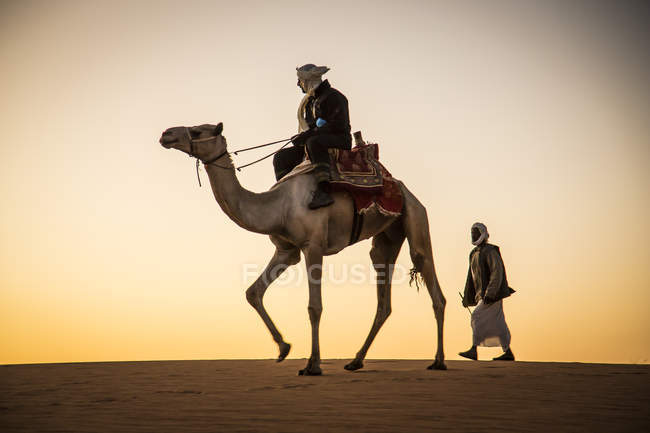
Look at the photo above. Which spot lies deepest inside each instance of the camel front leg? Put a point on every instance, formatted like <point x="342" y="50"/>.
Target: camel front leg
<point x="280" y="261"/>
<point x="314" y="261"/>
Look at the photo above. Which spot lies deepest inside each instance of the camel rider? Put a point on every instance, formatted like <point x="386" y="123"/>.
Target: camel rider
<point x="324" y="123"/>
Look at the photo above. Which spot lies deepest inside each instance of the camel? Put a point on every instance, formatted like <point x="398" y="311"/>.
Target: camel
<point x="283" y="215"/>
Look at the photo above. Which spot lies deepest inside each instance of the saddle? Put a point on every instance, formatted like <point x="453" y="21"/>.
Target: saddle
<point x="358" y="167"/>
<point x="359" y="173"/>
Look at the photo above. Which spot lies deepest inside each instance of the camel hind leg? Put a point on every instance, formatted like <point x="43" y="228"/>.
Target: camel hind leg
<point x="416" y="227"/>
<point x="384" y="252"/>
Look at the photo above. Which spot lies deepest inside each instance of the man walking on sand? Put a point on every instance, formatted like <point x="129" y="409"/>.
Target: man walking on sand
<point x="486" y="287"/>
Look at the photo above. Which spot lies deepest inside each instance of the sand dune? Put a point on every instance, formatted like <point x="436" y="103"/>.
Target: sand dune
<point x="386" y="396"/>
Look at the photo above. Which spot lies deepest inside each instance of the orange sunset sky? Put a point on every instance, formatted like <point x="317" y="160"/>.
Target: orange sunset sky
<point x="532" y="117"/>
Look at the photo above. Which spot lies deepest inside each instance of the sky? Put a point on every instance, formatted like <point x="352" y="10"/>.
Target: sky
<point x="531" y="117"/>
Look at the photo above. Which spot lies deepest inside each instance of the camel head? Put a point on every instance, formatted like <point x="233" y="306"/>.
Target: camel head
<point x="203" y="141"/>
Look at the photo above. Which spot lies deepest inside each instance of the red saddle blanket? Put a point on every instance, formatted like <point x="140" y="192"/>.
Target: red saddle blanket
<point x="359" y="172"/>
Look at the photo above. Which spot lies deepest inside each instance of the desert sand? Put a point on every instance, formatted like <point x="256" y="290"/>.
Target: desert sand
<point x="264" y="396"/>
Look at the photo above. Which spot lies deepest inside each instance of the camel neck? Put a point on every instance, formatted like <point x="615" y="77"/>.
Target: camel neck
<point x="249" y="210"/>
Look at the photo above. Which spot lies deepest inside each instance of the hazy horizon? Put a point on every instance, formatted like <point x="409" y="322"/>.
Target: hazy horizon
<point x="531" y="117"/>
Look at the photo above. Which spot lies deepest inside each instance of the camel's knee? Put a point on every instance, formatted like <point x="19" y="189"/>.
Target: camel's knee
<point x="315" y="312"/>
<point x="438" y="298"/>
<point x="254" y="298"/>
<point x="439" y="303"/>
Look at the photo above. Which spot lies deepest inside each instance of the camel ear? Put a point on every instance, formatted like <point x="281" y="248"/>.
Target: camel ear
<point x="219" y="129"/>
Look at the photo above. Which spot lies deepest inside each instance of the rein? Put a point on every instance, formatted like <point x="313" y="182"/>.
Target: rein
<point x="212" y="161"/>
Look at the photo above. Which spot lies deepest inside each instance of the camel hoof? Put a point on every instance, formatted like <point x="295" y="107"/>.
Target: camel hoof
<point x="437" y="365"/>
<point x="310" y="371"/>
<point x="284" y="351"/>
<point x="354" y="365"/>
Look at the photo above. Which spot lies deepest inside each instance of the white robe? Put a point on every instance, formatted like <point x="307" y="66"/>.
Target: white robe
<point x="489" y="326"/>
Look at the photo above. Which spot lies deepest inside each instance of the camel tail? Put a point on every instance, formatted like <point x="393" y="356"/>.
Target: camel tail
<point x="415" y="277"/>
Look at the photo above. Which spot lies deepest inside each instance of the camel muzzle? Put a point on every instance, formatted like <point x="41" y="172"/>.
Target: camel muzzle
<point x="167" y="139"/>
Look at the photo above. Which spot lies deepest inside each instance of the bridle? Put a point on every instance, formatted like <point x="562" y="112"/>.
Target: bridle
<point x="213" y="160"/>
<point x="193" y="154"/>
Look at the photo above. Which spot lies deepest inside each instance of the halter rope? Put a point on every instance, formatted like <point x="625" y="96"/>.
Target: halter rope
<point x="212" y="161"/>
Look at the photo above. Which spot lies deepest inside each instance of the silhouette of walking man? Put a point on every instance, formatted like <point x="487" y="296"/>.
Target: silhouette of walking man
<point x="486" y="287"/>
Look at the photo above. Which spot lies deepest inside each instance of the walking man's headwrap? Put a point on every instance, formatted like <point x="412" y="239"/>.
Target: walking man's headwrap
<point x="484" y="233"/>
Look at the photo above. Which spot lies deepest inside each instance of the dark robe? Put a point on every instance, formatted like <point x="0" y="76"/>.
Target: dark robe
<point x="492" y="280"/>
<point x="328" y="104"/>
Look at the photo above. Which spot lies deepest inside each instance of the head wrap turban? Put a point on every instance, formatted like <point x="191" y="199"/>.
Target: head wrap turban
<point x="310" y="71"/>
<point x="484" y="233"/>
